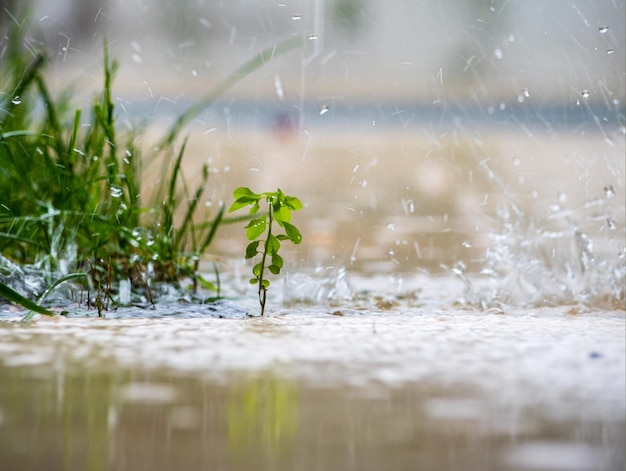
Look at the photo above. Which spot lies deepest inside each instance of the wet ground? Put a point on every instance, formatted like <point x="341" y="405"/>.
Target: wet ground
<point x="382" y="381"/>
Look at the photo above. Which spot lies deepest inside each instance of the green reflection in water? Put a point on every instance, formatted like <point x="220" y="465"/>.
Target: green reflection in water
<point x="262" y="413"/>
<point x="55" y="420"/>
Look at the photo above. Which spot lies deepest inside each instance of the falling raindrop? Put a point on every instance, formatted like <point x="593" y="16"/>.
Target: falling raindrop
<point x="603" y="28"/>
<point x="296" y="17"/>
<point x="610" y="51"/>
<point x="410" y="205"/>
<point x="611" y="223"/>
<point x="116" y="191"/>
<point x="16" y="100"/>
<point x="609" y="191"/>
<point x="585" y="93"/>
<point x="526" y="93"/>
<point x="391" y="226"/>
<point x="498" y="53"/>
<point x="467" y="244"/>
<point x="312" y="37"/>
<point x="517" y="161"/>
<point x="278" y="85"/>
<point x="324" y="109"/>
<point x="562" y="197"/>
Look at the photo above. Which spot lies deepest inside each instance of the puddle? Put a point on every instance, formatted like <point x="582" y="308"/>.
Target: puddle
<point x="337" y="387"/>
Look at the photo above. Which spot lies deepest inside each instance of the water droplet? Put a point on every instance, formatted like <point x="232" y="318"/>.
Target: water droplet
<point x="296" y="17"/>
<point x="517" y="161"/>
<point x="609" y="191"/>
<point x="16" y="100"/>
<point x="526" y="93"/>
<point x="467" y="244"/>
<point x="610" y="51"/>
<point x="502" y="106"/>
<point x="116" y="191"/>
<point x="511" y="38"/>
<point x="391" y="226"/>
<point x="562" y="197"/>
<point x="611" y="223"/>
<point x="585" y="93"/>
<point x="363" y="183"/>
<point x="410" y="205"/>
<point x="498" y="54"/>
<point x="603" y="28"/>
<point x="324" y="109"/>
<point x="312" y="37"/>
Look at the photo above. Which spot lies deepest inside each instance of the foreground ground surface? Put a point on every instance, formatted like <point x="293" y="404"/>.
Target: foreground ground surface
<point x="341" y="387"/>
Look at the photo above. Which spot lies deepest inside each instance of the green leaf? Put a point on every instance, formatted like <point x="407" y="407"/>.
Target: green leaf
<point x="273" y="245"/>
<point x="243" y="197"/>
<point x="274" y="269"/>
<point x="14" y="296"/>
<point x="257" y="269"/>
<point x="282" y="237"/>
<point x="265" y="284"/>
<point x="283" y="214"/>
<point x="240" y="203"/>
<point x="277" y="260"/>
<point x="292" y="232"/>
<point x="256" y="227"/>
<point x="293" y="203"/>
<point x="244" y="191"/>
<point x="252" y="249"/>
<point x="254" y="281"/>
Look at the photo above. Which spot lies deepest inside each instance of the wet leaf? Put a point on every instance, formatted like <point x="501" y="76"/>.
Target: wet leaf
<point x="256" y="227"/>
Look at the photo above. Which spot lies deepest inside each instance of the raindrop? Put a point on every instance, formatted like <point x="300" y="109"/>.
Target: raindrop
<point x="324" y="109"/>
<point x="296" y="17"/>
<point x="610" y="51"/>
<point x="603" y="28"/>
<point x="116" y="191"/>
<point x="16" y="100"/>
<point x="526" y="93"/>
<point x="609" y="191"/>
<point x="278" y="85"/>
<point x="562" y="197"/>
<point x="585" y="93"/>
<point x="364" y="184"/>
<point x="611" y="223"/>
<point x="511" y="38"/>
<point x="391" y="226"/>
<point x="467" y="244"/>
<point x="517" y="161"/>
<point x="502" y="106"/>
<point x="312" y="37"/>
<point x="410" y="206"/>
<point x="498" y="54"/>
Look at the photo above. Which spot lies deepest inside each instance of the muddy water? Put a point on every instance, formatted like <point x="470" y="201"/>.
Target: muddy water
<point x="338" y="388"/>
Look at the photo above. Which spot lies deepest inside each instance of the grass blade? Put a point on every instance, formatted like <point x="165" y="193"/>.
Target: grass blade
<point x="17" y="298"/>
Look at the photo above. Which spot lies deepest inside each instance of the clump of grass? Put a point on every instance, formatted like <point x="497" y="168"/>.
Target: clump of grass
<point x="70" y="186"/>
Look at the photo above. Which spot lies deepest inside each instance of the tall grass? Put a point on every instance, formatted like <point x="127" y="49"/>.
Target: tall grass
<point x="70" y="185"/>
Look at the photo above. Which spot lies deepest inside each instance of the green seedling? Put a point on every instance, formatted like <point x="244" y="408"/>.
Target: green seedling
<point x="279" y="207"/>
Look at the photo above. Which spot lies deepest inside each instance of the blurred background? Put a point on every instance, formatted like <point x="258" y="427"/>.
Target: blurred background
<point x="422" y="136"/>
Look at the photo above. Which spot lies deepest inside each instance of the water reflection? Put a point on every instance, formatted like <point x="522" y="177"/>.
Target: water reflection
<point x="91" y="421"/>
<point x="305" y="392"/>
